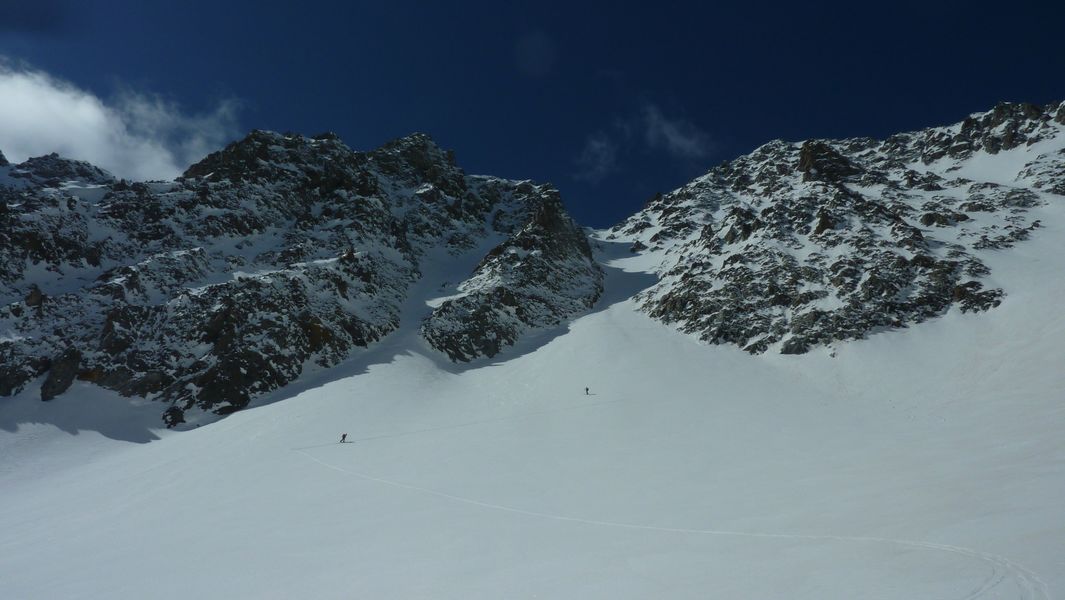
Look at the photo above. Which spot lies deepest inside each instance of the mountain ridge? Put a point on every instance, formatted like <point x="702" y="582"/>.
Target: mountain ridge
<point x="281" y="252"/>
<point x="274" y="252"/>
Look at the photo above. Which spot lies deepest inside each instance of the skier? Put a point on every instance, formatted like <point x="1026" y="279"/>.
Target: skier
<point x="343" y="437"/>
<point x="585" y="391"/>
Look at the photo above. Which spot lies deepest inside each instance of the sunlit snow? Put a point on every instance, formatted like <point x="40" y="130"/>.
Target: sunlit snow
<point x="921" y="463"/>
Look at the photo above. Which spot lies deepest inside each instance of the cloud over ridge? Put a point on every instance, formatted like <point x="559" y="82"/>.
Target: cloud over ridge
<point x="134" y="135"/>
<point x="597" y="159"/>
<point x="647" y="130"/>
<point x="677" y="136"/>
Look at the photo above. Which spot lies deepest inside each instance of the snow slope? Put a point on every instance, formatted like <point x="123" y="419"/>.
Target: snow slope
<point x="919" y="463"/>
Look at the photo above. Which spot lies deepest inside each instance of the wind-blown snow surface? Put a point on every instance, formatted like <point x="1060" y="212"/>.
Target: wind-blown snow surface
<point x="921" y="463"/>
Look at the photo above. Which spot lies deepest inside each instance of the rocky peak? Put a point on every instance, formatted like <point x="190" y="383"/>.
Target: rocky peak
<point x="1009" y="125"/>
<point x="3" y="160"/>
<point x="1005" y="127"/>
<point x="819" y="161"/>
<point x="418" y="156"/>
<point x="1012" y="111"/>
<point x="267" y="155"/>
<point x="52" y="170"/>
<point x="419" y="149"/>
<point x="551" y="222"/>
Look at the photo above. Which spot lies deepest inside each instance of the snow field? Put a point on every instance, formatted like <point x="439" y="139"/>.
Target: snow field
<point x="921" y="463"/>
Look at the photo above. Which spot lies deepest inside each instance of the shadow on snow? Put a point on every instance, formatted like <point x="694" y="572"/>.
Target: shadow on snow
<point x="86" y="407"/>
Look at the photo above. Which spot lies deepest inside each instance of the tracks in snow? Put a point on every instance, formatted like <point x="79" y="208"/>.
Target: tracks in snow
<point x="1029" y="585"/>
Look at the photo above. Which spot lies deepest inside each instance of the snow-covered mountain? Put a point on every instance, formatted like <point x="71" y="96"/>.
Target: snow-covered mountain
<point x="914" y="450"/>
<point x="801" y="244"/>
<point x="277" y="254"/>
<point x="281" y="253"/>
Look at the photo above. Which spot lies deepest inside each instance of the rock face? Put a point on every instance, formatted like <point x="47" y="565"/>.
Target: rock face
<point x="271" y="255"/>
<point x="538" y="278"/>
<point x="61" y="374"/>
<point x="796" y="245"/>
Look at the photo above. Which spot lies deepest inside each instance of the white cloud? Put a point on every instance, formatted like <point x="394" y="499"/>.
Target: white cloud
<point x="135" y="135"/>
<point x="648" y="130"/>
<point x="597" y="159"/>
<point x="676" y="136"/>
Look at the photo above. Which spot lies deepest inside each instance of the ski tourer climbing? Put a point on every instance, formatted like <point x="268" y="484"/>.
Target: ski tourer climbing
<point x="343" y="438"/>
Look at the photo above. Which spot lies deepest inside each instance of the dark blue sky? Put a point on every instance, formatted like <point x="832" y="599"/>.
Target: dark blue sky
<point x="609" y="102"/>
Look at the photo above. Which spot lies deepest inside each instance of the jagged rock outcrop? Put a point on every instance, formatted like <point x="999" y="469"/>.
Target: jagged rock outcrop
<point x="270" y="255"/>
<point x="540" y="277"/>
<point x="52" y="170"/>
<point x="796" y="245"/>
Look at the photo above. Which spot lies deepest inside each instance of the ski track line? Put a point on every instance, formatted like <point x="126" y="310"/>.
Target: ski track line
<point x="1029" y="584"/>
